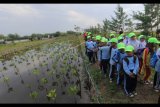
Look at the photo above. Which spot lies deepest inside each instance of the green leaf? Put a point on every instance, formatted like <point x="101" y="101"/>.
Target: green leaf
<point x="52" y="94"/>
<point x="6" y="79"/>
<point x="36" y="72"/>
<point x="34" y="95"/>
<point x="44" y="81"/>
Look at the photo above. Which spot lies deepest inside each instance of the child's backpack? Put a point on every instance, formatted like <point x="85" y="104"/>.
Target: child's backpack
<point x="127" y="61"/>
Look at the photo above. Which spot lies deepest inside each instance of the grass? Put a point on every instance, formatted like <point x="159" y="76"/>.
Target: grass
<point x="19" y="48"/>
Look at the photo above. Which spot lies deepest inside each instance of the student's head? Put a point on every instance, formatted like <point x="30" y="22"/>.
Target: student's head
<point x="98" y="38"/>
<point x="158" y="34"/>
<point x="89" y="38"/>
<point x="129" y="50"/>
<point x="113" y="42"/>
<point x="141" y="38"/>
<point x="121" y="47"/>
<point x="151" y="43"/>
<point x="103" y="41"/>
<point x="120" y="38"/>
<point x="93" y="38"/>
<point x="112" y="35"/>
<point x="132" y="36"/>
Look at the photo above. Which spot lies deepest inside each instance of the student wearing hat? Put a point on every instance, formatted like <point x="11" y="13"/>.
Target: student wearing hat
<point x="98" y="41"/>
<point x="142" y="43"/>
<point x="156" y="66"/>
<point x="126" y="39"/>
<point x="89" y="46"/>
<point x="94" y="50"/>
<point x="142" y="46"/>
<point x="119" y="59"/>
<point x="155" y="63"/>
<point x="148" y="53"/>
<point x="110" y="37"/>
<point x="120" y="38"/>
<point x="133" y="41"/>
<point x="131" y="67"/>
<point x="104" y="55"/>
<point x="112" y="52"/>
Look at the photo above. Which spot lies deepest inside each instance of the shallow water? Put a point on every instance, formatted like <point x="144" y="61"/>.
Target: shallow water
<point x="20" y="75"/>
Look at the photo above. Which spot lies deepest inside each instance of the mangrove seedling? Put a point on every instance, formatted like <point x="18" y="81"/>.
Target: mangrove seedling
<point x="51" y="95"/>
<point x="73" y="90"/>
<point x="33" y="95"/>
<point x="6" y="79"/>
<point x="44" y="80"/>
<point x="36" y="71"/>
<point x="74" y="72"/>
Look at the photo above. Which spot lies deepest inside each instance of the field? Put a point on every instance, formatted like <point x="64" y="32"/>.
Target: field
<point x="57" y="71"/>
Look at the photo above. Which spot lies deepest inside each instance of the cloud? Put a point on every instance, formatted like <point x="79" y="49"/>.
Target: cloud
<point x="19" y="10"/>
<point x="132" y="7"/>
<point x="82" y="19"/>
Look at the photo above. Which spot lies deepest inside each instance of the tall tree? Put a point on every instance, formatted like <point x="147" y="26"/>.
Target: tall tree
<point x="106" y="27"/>
<point x="117" y="23"/>
<point x="130" y="26"/>
<point x="149" y="19"/>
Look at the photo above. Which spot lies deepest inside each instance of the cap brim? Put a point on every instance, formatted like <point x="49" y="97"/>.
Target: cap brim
<point x="121" y="48"/>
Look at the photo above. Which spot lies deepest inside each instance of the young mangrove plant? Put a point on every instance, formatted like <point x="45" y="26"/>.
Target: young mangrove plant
<point x="72" y="90"/>
<point x="33" y="95"/>
<point x="6" y="80"/>
<point x="51" y="95"/>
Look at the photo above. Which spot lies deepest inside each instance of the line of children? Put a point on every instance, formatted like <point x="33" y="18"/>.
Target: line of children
<point x="128" y="60"/>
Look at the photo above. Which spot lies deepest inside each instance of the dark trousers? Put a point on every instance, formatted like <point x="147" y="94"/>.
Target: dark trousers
<point x="90" y="56"/>
<point x="94" y="57"/>
<point x="112" y="71"/>
<point x="155" y="79"/>
<point x="104" y="66"/>
<point x="120" y="76"/>
<point x="140" y="65"/>
<point x="108" y="65"/>
<point x="130" y="83"/>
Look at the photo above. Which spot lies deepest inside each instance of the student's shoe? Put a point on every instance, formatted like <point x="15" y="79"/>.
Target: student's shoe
<point x="135" y="93"/>
<point x="146" y="82"/>
<point x="110" y="80"/>
<point x="156" y="90"/>
<point x="131" y="95"/>
<point x="151" y="82"/>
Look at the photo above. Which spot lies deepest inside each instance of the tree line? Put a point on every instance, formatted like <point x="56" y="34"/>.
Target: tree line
<point x="145" y="21"/>
<point x="34" y="36"/>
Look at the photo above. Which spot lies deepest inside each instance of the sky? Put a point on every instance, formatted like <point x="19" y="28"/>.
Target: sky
<point x="25" y="19"/>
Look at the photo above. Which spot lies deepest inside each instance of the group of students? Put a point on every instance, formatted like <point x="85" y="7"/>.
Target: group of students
<point x="125" y="58"/>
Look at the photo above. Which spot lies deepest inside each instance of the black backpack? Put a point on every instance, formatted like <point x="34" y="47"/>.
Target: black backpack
<point x="127" y="61"/>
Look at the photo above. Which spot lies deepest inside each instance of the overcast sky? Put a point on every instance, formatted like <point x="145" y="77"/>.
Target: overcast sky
<point x="26" y="19"/>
